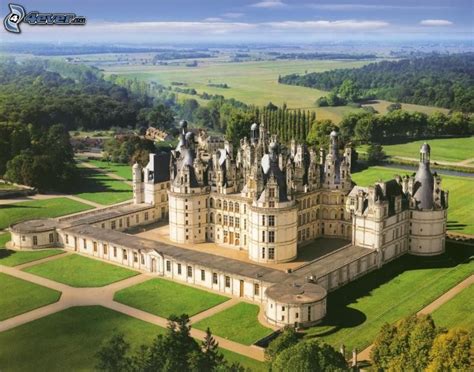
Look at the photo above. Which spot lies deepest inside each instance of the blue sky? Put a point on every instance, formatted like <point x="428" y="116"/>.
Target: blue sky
<point x="161" y="21"/>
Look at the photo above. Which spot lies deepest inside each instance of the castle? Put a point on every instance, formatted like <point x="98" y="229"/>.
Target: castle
<point x="275" y="205"/>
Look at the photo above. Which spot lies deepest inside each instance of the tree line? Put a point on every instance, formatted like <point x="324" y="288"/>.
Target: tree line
<point x="436" y="80"/>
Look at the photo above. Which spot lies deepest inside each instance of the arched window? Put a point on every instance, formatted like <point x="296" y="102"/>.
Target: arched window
<point x="219" y="219"/>
<point x="231" y="206"/>
<point x="224" y="207"/>
<point x="211" y="202"/>
<point x="211" y="217"/>
<point x="236" y="207"/>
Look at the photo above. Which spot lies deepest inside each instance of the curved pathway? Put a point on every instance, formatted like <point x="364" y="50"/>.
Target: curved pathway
<point x="104" y="296"/>
<point x="428" y="309"/>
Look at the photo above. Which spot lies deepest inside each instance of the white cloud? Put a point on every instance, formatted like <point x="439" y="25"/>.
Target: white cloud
<point x="269" y="4"/>
<point x="213" y="19"/>
<point x="232" y="15"/>
<point x="353" y="6"/>
<point x="348" y="25"/>
<point x="435" y="22"/>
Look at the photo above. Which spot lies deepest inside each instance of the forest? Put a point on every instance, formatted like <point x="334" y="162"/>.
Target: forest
<point x="437" y="80"/>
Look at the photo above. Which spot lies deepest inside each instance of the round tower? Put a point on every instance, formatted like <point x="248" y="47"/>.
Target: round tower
<point x="137" y="183"/>
<point x="427" y="216"/>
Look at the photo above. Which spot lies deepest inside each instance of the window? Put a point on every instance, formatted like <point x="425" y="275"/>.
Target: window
<point x="297" y="315"/>
<point x="142" y="256"/>
<point x="115" y="251"/>
<point x="271" y="192"/>
<point x="245" y="224"/>
<point x="103" y="225"/>
<point x="67" y="239"/>
<point x="226" y="220"/>
<point x="51" y="238"/>
<point x="137" y="218"/>
<point x="113" y="225"/>
<point x="168" y="265"/>
<point x="271" y="220"/>
<point x="214" y="278"/>
<point x="263" y="236"/>
<point x="35" y="240"/>
<point x="231" y="221"/>
<point x="120" y="223"/>
<point x="203" y="275"/>
<point x="271" y="204"/>
<point x="271" y="236"/>
<point x="236" y="207"/>
<point x="84" y="243"/>
<point x="271" y="253"/>
<point x="224" y="207"/>
<point x="245" y="208"/>
<point x="231" y="206"/>
<point x="128" y="221"/>
<point x="256" y="289"/>
<point x="309" y="312"/>
<point x="179" y="269"/>
<point x="146" y="216"/>
<point x="263" y="220"/>
<point x="263" y="253"/>
<point x="124" y="254"/>
<point x="283" y="308"/>
<point x="283" y="318"/>
<point x="227" y="281"/>
<point x="94" y="244"/>
<point x="135" y="257"/>
<point x="23" y="238"/>
<point x="190" y="272"/>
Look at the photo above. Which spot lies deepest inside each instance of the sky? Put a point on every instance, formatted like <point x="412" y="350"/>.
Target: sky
<point x="240" y="21"/>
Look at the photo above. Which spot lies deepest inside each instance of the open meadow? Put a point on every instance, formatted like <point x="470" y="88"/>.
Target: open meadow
<point x="254" y="82"/>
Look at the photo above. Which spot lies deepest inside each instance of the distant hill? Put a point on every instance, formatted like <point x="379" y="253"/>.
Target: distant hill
<point x="442" y="81"/>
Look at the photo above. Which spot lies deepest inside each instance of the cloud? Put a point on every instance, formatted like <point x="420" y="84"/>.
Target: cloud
<point x="232" y="15"/>
<point x="213" y="19"/>
<point x="435" y="22"/>
<point x="348" y="25"/>
<point x="269" y="4"/>
<point x="353" y="6"/>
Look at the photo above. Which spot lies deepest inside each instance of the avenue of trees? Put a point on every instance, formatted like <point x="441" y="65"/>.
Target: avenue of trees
<point x="442" y="81"/>
<point x="416" y="344"/>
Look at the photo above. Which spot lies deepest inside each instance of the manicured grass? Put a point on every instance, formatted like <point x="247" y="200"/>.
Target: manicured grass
<point x="357" y="311"/>
<point x="457" y="312"/>
<point x="444" y="149"/>
<point x="238" y="323"/>
<point x="100" y="188"/>
<point x="164" y="298"/>
<point x="122" y="170"/>
<point x="19" y="296"/>
<point x="80" y="271"/>
<point x="55" y="207"/>
<point x="461" y="200"/>
<point x="69" y="340"/>
<point x="246" y="362"/>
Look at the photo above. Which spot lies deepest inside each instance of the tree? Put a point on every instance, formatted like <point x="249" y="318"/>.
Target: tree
<point x="394" y="106"/>
<point x="405" y="345"/>
<point x="349" y="90"/>
<point x="309" y="355"/>
<point x="286" y="339"/>
<point x="451" y="351"/>
<point x="238" y="126"/>
<point x="375" y="153"/>
<point x="113" y="356"/>
<point x="319" y="133"/>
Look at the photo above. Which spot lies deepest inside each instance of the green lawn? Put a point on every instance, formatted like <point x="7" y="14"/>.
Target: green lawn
<point x="122" y="170"/>
<point x="357" y="311"/>
<point x="164" y="298"/>
<point x="238" y="323"/>
<point x="461" y="200"/>
<point x="100" y="188"/>
<point x="19" y="296"/>
<point x="69" y="340"/>
<point x="80" y="271"/>
<point x="457" y="312"/>
<point x="55" y="207"/>
<point x="443" y="149"/>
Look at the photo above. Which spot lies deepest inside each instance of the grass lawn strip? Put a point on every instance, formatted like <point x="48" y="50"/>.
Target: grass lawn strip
<point x="122" y="170"/>
<point x="164" y="298"/>
<point x="80" y="271"/>
<point x="20" y="296"/>
<point x="238" y="323"/>
<point x="457" y="312"/>
<point x="75" y="335"/>
<point x="46" y="208"/>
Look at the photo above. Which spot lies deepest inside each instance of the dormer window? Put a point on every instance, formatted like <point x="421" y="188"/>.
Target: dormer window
<point x="271" y="192"/>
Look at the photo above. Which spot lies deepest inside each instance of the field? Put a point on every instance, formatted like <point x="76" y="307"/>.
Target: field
<point x="79" y="271"/>
<point x="55" y="207"/>
<point x="238" y="323"/>
<point x="19" y="296"/>
<point x="457" y="312"/>
<point x="357" y="311"/>
<point x="252" y="82"/>
<point x="100" y="188"/>
<point x="122" y="170"/>
<point x="164" y="298"/>
<point x="70" y="339"/>
<point x="453" y="150"/>
<point x="461" y="202"/>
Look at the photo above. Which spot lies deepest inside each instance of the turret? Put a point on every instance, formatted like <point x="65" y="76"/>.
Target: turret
<point x="137" y="183"/>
